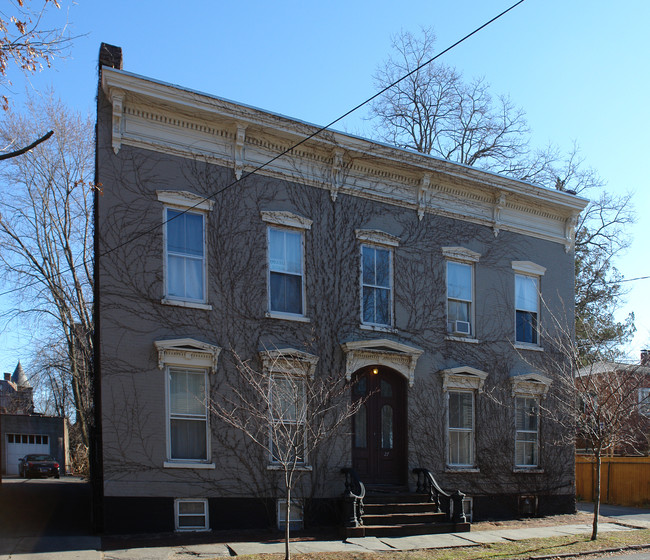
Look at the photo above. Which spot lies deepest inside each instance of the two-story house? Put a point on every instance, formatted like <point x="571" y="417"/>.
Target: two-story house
<point x="228" y="234"/>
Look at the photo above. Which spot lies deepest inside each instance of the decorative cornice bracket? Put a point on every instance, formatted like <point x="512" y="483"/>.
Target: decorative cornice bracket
<point x="570" y="231"/>
<point x="499" y="205"/>
<point x="336" y="173"/>
<point x="239" y="152"/>
<point x="117" y="100"/>
<point x="423" y="188"/>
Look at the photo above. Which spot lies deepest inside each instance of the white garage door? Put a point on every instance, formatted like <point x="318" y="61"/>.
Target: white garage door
<point x="19" y="445"/>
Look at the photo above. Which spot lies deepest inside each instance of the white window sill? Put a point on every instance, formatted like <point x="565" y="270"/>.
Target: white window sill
<point x="529" y="470"/>
<point x="462" y="339"/>
<point x="378" y="328"/>
<point x="524" y="346"/>
<point x="461" y="469"/>
<point x="288" y="317"/>
<point x="187" y="465"/>
<point x="301" y="468"/>
<point x="189" y="304"/>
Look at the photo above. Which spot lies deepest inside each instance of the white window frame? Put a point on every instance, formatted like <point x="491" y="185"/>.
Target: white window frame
<point x="183" y="201"/>
<point x="467" y="257"/>
<point x="458" y="380"/>
<point x="644" y="401"/>
<point x="529" y="386"/>
<point x="288" y="363"/>
<point x="293" y="223"/>
<point x="471" y="430"/>
<point x="296" y="515"/>
<point x="378" y="240"/>
<point x="518" y="431"/>
<point x="169" y="370"/>
<point x="535" y="271"/>
<point x="192" y="355"/>
<point x="178" y="515"/>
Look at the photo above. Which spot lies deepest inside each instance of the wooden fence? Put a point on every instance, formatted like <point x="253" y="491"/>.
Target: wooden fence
<point x="624" y="481"/>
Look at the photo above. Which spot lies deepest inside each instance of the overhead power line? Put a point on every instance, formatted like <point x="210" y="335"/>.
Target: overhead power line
<point x="297" y="144"/>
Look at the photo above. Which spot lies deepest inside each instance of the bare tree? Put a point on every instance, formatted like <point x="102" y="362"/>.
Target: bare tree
<point x="46" y="237"/>
<point x="599" y="400"/>
<point x="288" y="412"/>
<point x="25" y="41"/>
<point x="437" y="112"/>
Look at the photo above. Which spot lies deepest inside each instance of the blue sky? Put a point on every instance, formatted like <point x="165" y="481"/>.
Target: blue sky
<point x="579" y="68"/>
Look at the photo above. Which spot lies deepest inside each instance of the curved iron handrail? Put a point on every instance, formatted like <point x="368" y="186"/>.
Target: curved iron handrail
<point x="426" y="483"/>
<point x="351" y="474"/>
<point x="353" y="500"/>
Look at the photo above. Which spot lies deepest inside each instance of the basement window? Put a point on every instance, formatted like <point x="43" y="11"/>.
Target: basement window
<point x="191" y="514"/>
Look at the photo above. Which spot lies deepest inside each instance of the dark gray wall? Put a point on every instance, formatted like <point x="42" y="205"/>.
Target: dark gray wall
<point x="133" y="393"/>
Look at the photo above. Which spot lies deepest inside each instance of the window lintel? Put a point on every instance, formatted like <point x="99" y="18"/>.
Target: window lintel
<point x="187" y="352"/>
<point x="533" y="384"/>
<point x="377" y="236"/>
<point x="461" y="254"/>
<point x="463" y="377"/>
<point x="528" y="267"/>
<point x="288" y="361"/>
<point x="285" y="218"/>
<point x="185" y="199"/>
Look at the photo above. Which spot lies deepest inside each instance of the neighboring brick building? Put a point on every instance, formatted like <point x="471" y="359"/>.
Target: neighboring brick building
<point x="22" y="430"/>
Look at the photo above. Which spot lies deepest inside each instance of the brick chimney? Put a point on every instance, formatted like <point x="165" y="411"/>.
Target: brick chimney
<point x="645" y="357"/>
<point x="110" y="55"/>
<point x="7" y="377"/>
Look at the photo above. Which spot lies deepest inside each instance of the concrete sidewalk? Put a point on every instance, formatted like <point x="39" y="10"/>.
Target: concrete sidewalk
<point x="89" y="548"/>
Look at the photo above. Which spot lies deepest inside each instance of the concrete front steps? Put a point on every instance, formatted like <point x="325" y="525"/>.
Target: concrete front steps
<point x="399" y="515"/>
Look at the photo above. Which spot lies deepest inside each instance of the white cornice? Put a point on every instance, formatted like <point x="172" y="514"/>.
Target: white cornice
<point x="377" y="236"/>
<point x="528" y="267"/>
<point x="463" y="377"/>
<point x="185" y="199"/>
<point x="169" y="119"/>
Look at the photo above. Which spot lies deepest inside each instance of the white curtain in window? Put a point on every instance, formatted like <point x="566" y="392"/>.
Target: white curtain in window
<point x="459" y="281"/>
<point x="526" y="293"/>
<point x="188" y="414"/>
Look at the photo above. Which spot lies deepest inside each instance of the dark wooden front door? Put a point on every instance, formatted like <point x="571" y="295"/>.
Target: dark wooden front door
<point x="379" y="428"/>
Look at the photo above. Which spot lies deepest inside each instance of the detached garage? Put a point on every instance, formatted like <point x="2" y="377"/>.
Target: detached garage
<point x="23" y="434"/>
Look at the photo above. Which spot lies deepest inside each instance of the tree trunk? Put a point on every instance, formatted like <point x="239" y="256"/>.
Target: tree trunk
<point x="594" y="531"/>
<point x="287" y="553"/>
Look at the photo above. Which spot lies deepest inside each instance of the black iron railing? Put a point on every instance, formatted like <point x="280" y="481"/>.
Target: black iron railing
<point x="450" y="504"/>
<point x="353" y="497"/>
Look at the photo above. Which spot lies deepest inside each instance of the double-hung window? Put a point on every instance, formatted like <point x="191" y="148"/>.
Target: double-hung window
<point x="459" y="298"/>
<point x="186" y="364"/>
<point x="527" y="308"/>
<point x="461" y="428"/>
<point x="286" y="264"/>
<point x="526" y="432"/>
<point x="460" y="290"/>
<point x="286" y="279"/>
<point x="288" y="413"/>
<point x="461" y="385"/>
<point x="377" y="277"/>
<point x="376" y="280"/>
<point x="184" y="221"/>
<point x="527" y="302"/>
<point x="289" y="372"/>
<point x="188" y="417"/>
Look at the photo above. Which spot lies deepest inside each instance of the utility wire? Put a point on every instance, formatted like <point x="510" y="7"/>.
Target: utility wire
<point x="294" y="146"/>
<point x="316" y="133"/>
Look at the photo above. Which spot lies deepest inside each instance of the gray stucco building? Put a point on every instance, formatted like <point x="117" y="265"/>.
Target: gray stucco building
<point x="434" y="288"/>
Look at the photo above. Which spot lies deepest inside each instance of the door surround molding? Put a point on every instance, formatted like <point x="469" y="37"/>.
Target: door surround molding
<point x="382" y="352"/>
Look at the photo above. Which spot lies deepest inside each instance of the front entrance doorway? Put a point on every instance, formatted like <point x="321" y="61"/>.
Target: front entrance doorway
<point x="379" y="428"/>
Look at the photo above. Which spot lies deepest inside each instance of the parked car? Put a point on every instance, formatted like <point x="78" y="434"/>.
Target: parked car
<point x="38" y="465"/>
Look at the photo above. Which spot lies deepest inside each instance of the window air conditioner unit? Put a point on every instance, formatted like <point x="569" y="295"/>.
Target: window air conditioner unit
<point x="462" y="327"/>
